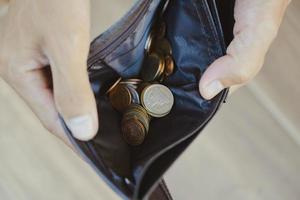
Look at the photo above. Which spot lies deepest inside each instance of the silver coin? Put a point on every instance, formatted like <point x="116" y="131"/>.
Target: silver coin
<point x="157" y="99"/>
<point x="134" y="94"/>
<point x="149" y="42"/>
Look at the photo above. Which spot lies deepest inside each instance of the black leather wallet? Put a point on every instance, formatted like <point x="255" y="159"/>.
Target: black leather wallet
<point x="195" y="32"/>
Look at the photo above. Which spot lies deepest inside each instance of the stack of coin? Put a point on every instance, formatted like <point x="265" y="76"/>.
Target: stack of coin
<point x="135" y="124"/>
<point x="159" y="62"/>
<point x="141" y="99"/>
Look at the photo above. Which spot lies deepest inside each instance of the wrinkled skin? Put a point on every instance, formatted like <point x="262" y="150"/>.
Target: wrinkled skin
<point x="37" y="33"/>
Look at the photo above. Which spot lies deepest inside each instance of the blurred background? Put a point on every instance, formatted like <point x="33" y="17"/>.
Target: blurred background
<point x="251" y="150"/>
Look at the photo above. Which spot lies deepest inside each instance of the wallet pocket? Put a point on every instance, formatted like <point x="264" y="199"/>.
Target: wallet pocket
<point x="196" y="39"/>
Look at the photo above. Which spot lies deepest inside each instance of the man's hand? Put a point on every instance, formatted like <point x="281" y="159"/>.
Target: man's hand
<point x="257" y="24"/>
<point x="37" y="33"/>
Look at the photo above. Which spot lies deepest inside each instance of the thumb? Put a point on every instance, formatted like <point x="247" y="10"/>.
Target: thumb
<point x="243" y="60"/>
<point x="73" y="96"/>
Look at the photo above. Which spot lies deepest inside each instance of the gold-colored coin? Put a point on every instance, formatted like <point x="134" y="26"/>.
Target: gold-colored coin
<point x="169" y="65"/>
<point x="153" y="67"/>
<point x="163" y="46"/>
<point x="113" y="86"/>
<point x="120" y="97"/>
<point x="136" y="111"/>
<point x="133" y="132"/>
<point x="161" y="30"/>
<point x="149" y="42"/>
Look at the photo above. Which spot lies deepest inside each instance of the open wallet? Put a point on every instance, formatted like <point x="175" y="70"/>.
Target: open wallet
<point x="198" y="31"/>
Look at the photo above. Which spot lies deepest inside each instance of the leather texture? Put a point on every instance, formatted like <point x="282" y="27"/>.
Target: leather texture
<point x="161" y="192"/>
<point x="195" y="33"/>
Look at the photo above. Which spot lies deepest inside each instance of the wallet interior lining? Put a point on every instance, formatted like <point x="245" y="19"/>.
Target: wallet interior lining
<point x="196" y="44"/>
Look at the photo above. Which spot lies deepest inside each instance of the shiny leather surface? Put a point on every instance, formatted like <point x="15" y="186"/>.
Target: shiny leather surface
<point x="196" y="37"/>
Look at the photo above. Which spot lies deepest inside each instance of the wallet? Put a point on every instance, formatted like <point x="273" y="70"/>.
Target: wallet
<point x="198" y="31"/>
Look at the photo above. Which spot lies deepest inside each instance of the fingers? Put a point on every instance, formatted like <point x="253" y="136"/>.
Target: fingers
<point x="66" y="45"/>
<point x="73" y="96"/>
<point x="256" y="26"/>
<point x="243" y="59"/>
<point x="57" y="31"/>
<point x="35" y="89"/>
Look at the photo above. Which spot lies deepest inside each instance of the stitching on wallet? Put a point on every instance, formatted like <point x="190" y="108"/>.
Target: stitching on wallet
<point x="209" y="19"/>
<point x="202" y="31"/>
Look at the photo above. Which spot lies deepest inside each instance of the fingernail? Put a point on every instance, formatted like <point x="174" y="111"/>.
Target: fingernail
<point x="213" y="89"/>
<point x="81" y="127"/>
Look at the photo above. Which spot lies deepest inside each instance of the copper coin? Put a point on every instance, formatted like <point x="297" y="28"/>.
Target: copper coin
<point x="163" y="46"/>
<point x="113" y="86"/>
<point x="169" y="65"/>
<point x="149" y="42"/>
<point x="153" y="67"/>
<point x="133" y="132"/>
<point x="136" y="111"/>
<point x="120" y="97"/>
<point x="161" y="30"/>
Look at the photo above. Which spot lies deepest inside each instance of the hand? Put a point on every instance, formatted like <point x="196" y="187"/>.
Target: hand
<point x="257" y="24"/>
<point x="35" y="34"/>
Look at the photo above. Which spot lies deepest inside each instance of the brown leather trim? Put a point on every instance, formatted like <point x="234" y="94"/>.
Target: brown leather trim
<point x="161" y="192"/>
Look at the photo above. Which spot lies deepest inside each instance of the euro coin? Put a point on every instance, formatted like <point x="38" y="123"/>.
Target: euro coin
<point x="113" y="86"/>
<point x="131" y="81"/>
<point x="135" y="97"/>
<point x="133" y="132"/>
<point x="153" y="67"/>
<point x="158" y="100"/>
<point x="163" y="46"/>
<point x="120" y="97"/>
<point x="149" y="42"/>
<point x="136" y="111"/>
<point x="169" y="65"/>
<point x="142" y="86"/>
<point x="161" y="31"/>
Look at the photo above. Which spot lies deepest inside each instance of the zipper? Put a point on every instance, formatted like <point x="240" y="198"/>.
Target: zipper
<point x="120" y="35"/>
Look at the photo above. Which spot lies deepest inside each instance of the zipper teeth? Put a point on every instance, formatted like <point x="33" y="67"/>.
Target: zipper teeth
<point x="120" y="35"/>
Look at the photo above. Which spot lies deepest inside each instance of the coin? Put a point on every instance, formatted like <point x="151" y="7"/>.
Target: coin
<point x="149" y="42"/>
<point x="163" y="46"/>
<point x="169" y="65"/>
<point x="135" y="97"/>
<point x="133" y="132"/>
<point x="136" y="111"/>
<point x="157" y="99"/>
<point x="113" y="86"/>
<point x="161" y="31"/>
<point x="153" y="67"/>
<point x="132" y="81"/>
<point x="141" y="87"/>
<point x="120" y="97"/>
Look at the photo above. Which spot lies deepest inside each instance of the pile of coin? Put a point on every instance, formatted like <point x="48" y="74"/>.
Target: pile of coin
<point x="140" y="99"/>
